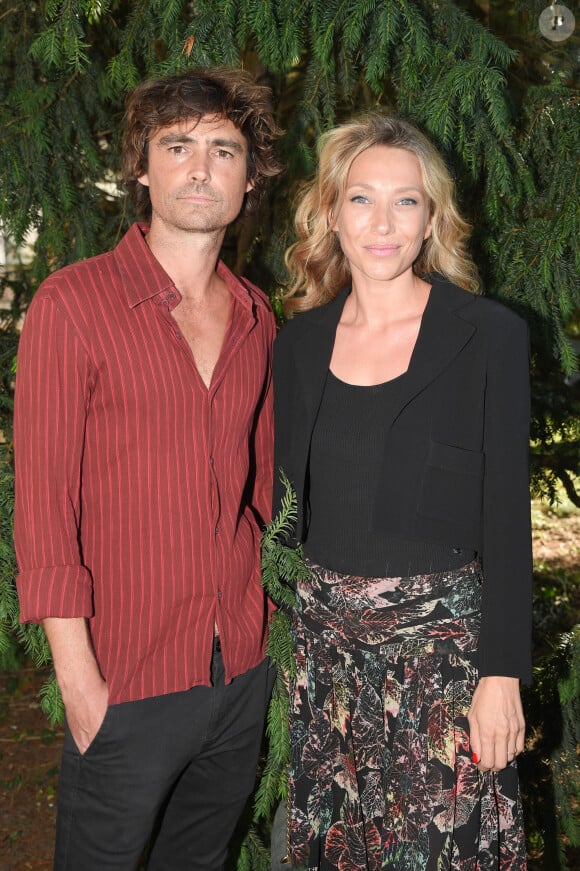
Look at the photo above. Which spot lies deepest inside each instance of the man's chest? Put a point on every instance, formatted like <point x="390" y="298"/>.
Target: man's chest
<point x="204" y="333"/>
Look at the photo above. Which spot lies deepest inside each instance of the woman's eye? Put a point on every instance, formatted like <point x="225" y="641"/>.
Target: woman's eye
<point x="407" y="201"/>
<point x="359" y="198"/>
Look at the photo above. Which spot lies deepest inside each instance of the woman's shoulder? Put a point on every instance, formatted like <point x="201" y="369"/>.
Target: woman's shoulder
<point x="302" y="322"/>
<point x="497" y="312"/>
<point x="295" y="325"/>
<point x="481" y="309"/>
<point x="501" y="327"/>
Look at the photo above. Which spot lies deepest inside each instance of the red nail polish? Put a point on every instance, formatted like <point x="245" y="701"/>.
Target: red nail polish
<point x="475" y="758"/>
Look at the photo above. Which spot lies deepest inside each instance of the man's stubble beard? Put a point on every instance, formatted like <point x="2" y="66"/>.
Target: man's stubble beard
<point x="207" y="217"/>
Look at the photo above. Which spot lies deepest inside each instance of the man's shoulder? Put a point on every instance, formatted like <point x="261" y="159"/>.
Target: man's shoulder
<point x="99" y="275"/>
<point x="78" y="279"/>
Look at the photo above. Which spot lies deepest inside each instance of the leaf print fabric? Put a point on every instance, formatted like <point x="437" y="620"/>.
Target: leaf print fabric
<point x="381" y="773"/>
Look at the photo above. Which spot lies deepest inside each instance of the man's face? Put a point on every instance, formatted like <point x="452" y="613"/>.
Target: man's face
<point x="197" y="174"/>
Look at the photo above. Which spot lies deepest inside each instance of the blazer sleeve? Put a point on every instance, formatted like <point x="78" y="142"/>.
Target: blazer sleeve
<point x="505" y="640"/>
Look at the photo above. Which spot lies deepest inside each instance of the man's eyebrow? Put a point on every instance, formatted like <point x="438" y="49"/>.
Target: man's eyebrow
<point x="185" y="138"/>
<point x="228" y="143"/>
<point x="173" y="138"/>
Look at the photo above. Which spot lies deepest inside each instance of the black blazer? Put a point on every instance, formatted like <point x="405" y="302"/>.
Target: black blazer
<point x="455" y="460"/>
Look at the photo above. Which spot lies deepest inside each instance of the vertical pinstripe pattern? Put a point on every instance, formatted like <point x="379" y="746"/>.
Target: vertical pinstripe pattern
<point x="137" y="488"/>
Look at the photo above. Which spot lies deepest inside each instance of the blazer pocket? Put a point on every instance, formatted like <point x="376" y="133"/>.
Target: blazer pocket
<point x="452" y="487"/>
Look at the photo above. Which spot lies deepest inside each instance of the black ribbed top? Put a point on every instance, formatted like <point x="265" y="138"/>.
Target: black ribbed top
<point x="345" y="459"/>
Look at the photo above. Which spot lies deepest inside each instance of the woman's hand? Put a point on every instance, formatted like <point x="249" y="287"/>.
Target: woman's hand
<point x="496" y="722"/>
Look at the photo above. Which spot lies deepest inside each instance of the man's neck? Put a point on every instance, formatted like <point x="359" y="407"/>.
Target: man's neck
<point x="190" y="259"/>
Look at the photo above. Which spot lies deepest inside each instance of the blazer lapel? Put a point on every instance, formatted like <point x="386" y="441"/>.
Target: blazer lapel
<point x="441" y="337"/>
<point x="314" y="352"/>
<point x="312" y="355"/>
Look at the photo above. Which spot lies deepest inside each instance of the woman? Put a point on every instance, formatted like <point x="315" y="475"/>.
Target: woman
<point x="402" y="415"/>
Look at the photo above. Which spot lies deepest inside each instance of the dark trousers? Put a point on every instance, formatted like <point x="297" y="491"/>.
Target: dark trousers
<point x="181" y="766"/>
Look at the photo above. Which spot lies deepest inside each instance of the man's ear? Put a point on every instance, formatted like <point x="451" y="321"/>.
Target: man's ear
<point x="144" y="180"/>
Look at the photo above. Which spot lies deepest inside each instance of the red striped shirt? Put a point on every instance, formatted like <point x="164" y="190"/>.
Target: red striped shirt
<point x="139" y="492"/>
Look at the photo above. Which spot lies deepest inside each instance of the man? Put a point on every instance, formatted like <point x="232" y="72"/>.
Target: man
<point x="144" y="451"/>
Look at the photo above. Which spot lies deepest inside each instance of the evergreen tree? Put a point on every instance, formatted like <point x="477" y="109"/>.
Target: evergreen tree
<point x="498" y="99"/>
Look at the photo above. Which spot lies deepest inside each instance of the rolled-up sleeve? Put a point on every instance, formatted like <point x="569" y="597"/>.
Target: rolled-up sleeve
<point x="53" y="387"/>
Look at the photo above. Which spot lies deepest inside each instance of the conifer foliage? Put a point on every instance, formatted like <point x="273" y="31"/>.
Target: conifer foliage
<point x="499" y="100"/>
<point x="282" y="568"/>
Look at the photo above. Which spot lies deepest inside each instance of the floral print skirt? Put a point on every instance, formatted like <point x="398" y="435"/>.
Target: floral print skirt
<point x="381" y="775"/>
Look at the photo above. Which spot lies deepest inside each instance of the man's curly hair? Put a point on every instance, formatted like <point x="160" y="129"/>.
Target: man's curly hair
<point x="224" y="93"/>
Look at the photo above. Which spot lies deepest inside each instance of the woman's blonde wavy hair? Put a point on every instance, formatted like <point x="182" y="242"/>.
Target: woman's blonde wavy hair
<point x="317" y="267"/>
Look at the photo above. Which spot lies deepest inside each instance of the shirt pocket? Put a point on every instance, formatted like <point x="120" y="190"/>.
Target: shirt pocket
<point x="452" y="486"/>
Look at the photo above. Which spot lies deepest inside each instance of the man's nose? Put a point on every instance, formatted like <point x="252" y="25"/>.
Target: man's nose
<point x="198" y="169"/>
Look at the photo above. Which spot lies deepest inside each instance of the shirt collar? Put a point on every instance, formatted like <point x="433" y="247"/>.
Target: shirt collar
<point x="144" y="277"/>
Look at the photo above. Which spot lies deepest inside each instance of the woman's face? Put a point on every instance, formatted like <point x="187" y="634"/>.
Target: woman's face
<point x="384" y="216"/>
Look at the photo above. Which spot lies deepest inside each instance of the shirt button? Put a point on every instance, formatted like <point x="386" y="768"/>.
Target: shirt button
<point x="219" y="594"/>
<point x="217" y="528"/>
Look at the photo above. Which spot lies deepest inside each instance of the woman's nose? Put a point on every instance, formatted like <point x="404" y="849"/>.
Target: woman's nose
<point x="383" y="220"/>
